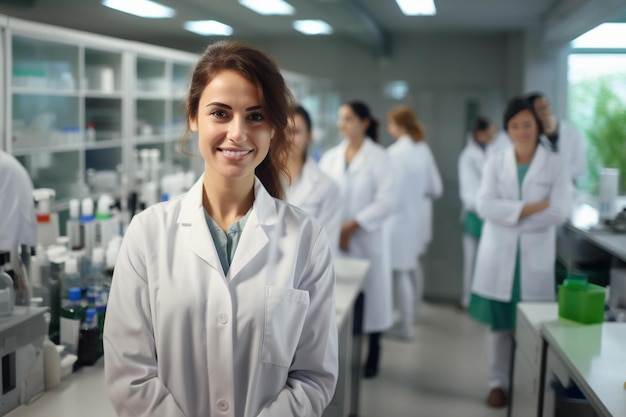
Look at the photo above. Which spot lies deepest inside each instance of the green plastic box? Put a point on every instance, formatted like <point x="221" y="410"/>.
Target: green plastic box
<point x="581" y="301"/>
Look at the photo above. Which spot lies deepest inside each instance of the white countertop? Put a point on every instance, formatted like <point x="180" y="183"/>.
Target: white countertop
<point x="584" y="220"/>
<point x="595" y="356"/>
<point x="83" y="393"/>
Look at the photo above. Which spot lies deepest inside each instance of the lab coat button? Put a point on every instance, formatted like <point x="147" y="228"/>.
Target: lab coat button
<point x="222" y="318"/>
<point x="222" y="405"/>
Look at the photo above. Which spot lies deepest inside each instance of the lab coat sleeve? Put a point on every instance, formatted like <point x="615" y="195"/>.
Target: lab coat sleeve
<point x="132" y="378"/>
<point x="313" y="373"/>
<point x="469" y="182"/>
<point x="434" y="187"/>
<point x="330" y="214"/>
<point x="559" y="208"/>
<point x="373" y="215"/>
<point x="489" y="204"/>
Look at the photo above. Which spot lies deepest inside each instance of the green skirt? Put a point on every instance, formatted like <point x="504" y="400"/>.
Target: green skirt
<point x="499" y="315"/>
<point x="472" y="224"/>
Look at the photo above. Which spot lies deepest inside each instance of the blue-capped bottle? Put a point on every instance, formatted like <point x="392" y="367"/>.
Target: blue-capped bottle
<point x="72" y="315"/>
<point x="89" y="340"/>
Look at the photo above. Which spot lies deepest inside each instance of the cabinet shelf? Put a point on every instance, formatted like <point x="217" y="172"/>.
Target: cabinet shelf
<point x="33" y="91"/>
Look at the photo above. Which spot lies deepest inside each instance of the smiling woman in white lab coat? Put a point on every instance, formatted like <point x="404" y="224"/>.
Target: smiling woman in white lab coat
<point x="417" y="183"/>
<point x="310" y="189"/>
<point x="361" y="168"/>
<point x="524" y="194"/>
<point x="481" y="140"/>
<point x="222" y="302"/>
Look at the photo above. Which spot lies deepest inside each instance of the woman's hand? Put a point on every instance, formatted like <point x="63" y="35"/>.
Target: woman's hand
<point x="347" y="230"/>
<point x="534" y="208"/>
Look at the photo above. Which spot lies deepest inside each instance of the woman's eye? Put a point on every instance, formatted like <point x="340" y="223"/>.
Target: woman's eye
<point x="219" y="113"/>
<point x="256" y="117"/>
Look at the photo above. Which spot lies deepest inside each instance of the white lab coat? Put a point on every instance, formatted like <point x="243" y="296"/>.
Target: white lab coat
<point x="433" y="189"/>
<point x="571" y="145"/>
<point x="182" y="339"/>
<point x="366" y="193"/>
<point x="317" y="194"/>
<point x="470" y="166"/>
<point x="417" y="182"/>
<point x="499" y="204"/>
<point x="18" y="224"/>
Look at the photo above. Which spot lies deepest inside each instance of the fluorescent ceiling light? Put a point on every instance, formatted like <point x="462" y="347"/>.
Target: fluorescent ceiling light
<point x="141" y="8"/>
<point x="208" y="27"/>
<point x="417" y="7"/>
<point x="267" y="7"/>
<point x="312" y="27"/>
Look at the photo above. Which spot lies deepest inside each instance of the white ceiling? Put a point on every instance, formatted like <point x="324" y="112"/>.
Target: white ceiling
<point x="372" y="22"/>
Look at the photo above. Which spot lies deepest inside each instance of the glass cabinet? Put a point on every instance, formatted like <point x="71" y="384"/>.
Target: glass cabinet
<point x="78" y="106"/>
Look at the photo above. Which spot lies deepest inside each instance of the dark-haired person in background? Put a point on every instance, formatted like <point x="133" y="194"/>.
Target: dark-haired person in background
<point x="561" y="136"/>
<point x="524" y="195"/>
<point x="361" y="167"/>
<point x="482" y="139"/>
<point x="309" y="188"/>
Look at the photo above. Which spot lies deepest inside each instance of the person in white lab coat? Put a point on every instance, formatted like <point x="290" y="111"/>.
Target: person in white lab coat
<point x="524" y="195"/>
<point x="222" y="300"/>
<point x="309" y="188"/>
<point x="562" y="137"/>
<point x="361" y="168"/>
<point x="417" y="183"/>
<point x="18" y="223"/>
<point x="481" y="140"/>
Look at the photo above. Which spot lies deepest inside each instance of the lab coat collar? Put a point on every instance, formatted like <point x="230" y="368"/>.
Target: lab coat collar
<point x="536" y="166"/>
<point x="254" y="236"/>
<point x="360" y="157"/>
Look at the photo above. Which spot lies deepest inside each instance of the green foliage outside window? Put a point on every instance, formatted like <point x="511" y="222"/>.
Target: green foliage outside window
<point x="598" y="109"/>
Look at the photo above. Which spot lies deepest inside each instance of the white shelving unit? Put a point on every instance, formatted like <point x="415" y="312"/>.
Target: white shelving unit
<point x="59" y="82"/>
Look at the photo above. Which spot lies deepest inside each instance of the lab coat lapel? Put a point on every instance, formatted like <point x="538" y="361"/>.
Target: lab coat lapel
<point x="536" y="165"/>
<point x="510" y="179"/>
<point x="259" y="226"/>
<point x="359" y="160"/>
<point x="197" y="236"/>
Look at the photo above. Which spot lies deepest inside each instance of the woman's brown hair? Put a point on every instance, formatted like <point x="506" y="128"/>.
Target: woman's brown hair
<point x="405" y="117"/>
<point x="262" y="71"/>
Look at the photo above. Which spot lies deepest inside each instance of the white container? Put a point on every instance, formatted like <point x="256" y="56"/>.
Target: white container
<point x="7" y="294"/>
<point x="609" y="186"/>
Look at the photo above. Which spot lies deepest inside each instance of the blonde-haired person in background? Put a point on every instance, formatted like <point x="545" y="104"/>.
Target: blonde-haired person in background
<point x="418" y="183"/>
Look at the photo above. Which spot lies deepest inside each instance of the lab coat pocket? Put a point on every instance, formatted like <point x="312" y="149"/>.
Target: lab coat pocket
<point x="285" y="312"/>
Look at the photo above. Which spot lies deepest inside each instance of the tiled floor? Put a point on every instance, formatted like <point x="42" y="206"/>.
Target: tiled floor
<point x="440" y="373"/>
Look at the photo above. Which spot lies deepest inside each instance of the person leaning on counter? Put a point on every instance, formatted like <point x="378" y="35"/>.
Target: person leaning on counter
<point x="222" y="301"/>
<point x="524" y="194"/>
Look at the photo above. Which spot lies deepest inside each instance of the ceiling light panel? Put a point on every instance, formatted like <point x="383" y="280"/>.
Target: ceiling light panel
<point x="312" y="27"/>
<point x="142" y="8"/>
<point x="269" y="7"/>
<point x="417" y="7"/>
<point x="208" y="28"/>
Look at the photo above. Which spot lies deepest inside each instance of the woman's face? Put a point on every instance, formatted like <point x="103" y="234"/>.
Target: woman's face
<point x="233" y="135"/>
<point x="523" y="129"/>
<point x="349" y="124"/>
<point x="301" y="137"/>
<point x="394" y="130"/>
<point x="485" y="136"/>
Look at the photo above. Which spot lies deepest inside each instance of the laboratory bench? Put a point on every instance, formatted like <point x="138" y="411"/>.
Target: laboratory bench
<point x="85" y="389"/>
<point x="552" y="351"/>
